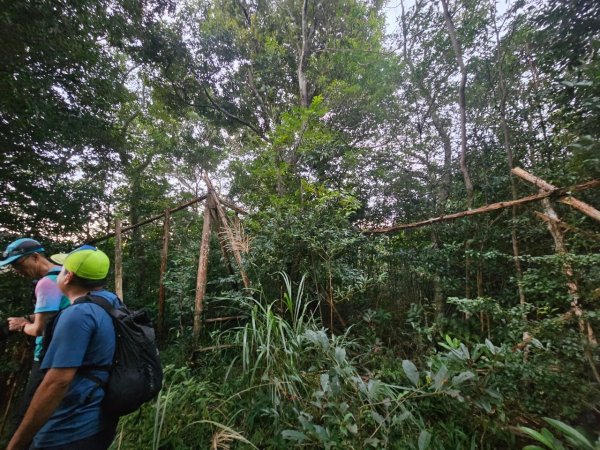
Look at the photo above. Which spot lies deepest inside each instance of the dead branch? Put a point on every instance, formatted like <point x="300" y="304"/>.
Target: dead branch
<point x="585" y="208"/>
<point x="558" y="192"/>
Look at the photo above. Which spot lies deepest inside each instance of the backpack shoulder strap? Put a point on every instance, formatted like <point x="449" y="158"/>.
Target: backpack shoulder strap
<point x="97" y="300"/>
<point x="84" y="371"/>
<point x="53" y="272"/>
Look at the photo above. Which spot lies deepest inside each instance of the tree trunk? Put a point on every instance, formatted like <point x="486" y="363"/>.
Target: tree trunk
<point x="509" y="159"/>
<point x="303" y="51"/>
<point x="462" y="102"/>
<point x="443" y="186"/>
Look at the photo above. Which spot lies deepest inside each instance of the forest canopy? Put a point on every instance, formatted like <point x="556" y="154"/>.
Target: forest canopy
<point x="318" y="123"/>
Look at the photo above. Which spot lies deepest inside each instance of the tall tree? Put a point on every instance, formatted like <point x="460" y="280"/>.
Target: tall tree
<point x="61" y="74"/>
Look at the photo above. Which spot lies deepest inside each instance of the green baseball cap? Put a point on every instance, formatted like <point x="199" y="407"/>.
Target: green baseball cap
<point x="59" y="258"/>
<point x="88" y="263"/>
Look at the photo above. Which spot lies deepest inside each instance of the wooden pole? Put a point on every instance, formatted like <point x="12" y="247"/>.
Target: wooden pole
<point x="163" y="269"/>
<point x="228" y="232"/>
<point x="118" y="260"/>
<point x="585" y="327"/>
<point x="202" y="270"/>
<point x="568" y="227"/>
<point x="222" y="245"/>
<point x="236" y="253"/>
<point x="559" y="192"/>
<point x="585" y="208"/>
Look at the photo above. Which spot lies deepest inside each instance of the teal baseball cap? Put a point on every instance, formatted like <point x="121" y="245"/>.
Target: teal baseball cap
<point x="19" y="248"/>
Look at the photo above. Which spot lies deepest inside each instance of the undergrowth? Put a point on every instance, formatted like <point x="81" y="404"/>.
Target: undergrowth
<point x="281" y="380"/>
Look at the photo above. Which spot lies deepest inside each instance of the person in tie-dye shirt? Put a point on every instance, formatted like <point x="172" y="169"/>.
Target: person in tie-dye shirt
<point x="26" y="257"/>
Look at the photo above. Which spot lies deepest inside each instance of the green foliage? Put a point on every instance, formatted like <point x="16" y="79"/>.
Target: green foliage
<point x="319" y="125"/>
<point x="575" y="438"/>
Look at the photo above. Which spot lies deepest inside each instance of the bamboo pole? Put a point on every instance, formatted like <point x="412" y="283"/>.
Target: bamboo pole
<point x="118" y="260"/>
<point x="585" y="208"/>
<point x="202" y="269"/>
<point x="163" y="269"/>
<point x="559" y="192"/>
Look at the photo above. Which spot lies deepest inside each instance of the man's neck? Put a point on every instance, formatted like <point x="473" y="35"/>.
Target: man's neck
<point x="77" y="292"/>
<point x="44" y="267"/>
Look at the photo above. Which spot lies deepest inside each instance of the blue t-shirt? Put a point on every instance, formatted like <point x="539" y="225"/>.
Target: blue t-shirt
<point x="48" y="298"/>
<point x="83" y="336"/>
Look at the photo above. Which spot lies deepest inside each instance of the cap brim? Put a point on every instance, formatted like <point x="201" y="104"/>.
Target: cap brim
<point x="10" y="260"/>
<point x="59" y="258"/>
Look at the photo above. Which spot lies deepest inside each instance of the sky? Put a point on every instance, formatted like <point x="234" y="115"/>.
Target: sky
<point x="393" y="10"/>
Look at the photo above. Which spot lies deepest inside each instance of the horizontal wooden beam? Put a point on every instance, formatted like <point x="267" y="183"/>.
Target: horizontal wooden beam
<point x="149" y="220"/>
<point x="558" y="192"/>
<point x="232" y="206"/>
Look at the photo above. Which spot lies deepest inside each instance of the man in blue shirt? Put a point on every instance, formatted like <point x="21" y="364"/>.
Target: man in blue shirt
<point x="26" y="257"/>
<point x="65" y="412"/>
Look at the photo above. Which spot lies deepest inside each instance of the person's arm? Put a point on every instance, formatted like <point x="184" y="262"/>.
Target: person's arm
<point x="35" y="328"/>
<point x="45" y="400"/>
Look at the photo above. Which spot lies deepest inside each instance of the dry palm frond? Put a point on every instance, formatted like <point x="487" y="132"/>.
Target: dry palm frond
<point x="240" y="242"/>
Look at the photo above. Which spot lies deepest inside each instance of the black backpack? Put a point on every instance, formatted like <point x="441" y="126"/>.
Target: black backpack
<point x="135" y="376"/>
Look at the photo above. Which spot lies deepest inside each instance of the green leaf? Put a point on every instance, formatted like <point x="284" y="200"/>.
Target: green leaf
<point x="571" y="432"/>
<point x="318" y="337"/>
<point x="325" y="382"/>
<point x="537" y="436"/>
<point x="411" y="371"/>
<point x="352" y="428"/>
<point x="461" y="377"/>
<point x="340" y="355"/>
<point x="374" y="442"/>
<point x="294" y="435"/>
<point x="491" y="347"/>
<point x="440" y="378"/>
<point x="424" y="439"/>
<point x="321" y="433"/>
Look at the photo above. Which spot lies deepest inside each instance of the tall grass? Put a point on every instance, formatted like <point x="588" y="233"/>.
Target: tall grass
<point x="282" y="380"/>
